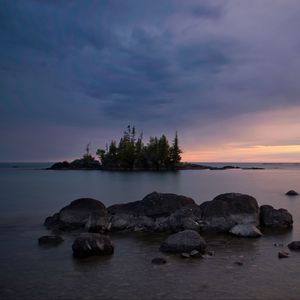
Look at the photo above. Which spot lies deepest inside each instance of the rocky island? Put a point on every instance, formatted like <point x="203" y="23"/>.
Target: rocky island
<point x="131" y="154"/>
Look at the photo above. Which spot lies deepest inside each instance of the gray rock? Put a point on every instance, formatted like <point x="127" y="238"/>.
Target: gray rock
<point x="245" y="230"/>
<point x="283" y="254"/>
<point x="50" y="240"/>
<point x="276" y="218"/>
<point x="185" y="255"/>
<point x="292" y="193"/>
<point x="184" y="241"/>
<point x="295" y="245"/>
<point x="153" y="205"/>
<point x="158" y="261"/>
<point x="149" y="214"/>
<point x="228" y="210"/>
<point x="92" y="244"/>
<point x="187" y="217"/>
<point x="195" y="254"/>
<point x="81" y="213"/>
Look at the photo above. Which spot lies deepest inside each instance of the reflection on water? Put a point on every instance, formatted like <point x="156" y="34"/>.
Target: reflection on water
<point x="31" y="272"/>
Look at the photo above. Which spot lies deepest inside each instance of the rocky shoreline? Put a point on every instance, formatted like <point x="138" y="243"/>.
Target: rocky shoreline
<point x="179" y="216"/>
<point x="80" y="164"/>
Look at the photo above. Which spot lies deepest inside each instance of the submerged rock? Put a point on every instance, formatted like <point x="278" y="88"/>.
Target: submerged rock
<point x="81" y="213"/>
<point x="228" y="210"/>
<point x="158" y="261"/>
<point x="295" y="245"/>
<point x="149" y="214"/>
<point x="292" y="193"/>
<point x="245" y="230"/>
<point x="50" y="240"/>
<point x="283" y="254"/>
<point x="184" y="241"/>
<point x="184" y="255"/>
<point x="92" y="244"/>
<point x="276" y="218"/>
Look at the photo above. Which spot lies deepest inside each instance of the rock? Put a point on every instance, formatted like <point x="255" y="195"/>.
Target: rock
<point x="95" y="223"/>
<point x="228" y="210"/>
<point x="275" y="218"/>
<point x="50" y="240"/>
<point x="239" y="263"/>
<point x="153" y="205"/>
<point x="185" y="255"/>
<point x="158" y="261"/>
<point x="295" y="245"/>
<point x="195" y="254"/>
<point x="149" y="214"/>
<point x="245" y="230"/>
<point x="81" y="213"/>
<point x="292" y="193"/>
<point x="283" y="254"/>
<point x="92" y="244"/>
<point x="64" y="165"/>
<point x="88" y="162"/>
<point x="186" y="217"/>
<point x="184" y="241"/>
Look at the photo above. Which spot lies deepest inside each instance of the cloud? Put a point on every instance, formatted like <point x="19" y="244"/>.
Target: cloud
<point x="165" y="66"/>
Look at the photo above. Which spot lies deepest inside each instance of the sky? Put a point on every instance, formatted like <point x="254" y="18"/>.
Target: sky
<point x="223" y="73"/>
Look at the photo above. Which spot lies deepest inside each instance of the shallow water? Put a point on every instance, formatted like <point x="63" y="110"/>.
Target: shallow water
<point x="31" y="272"/>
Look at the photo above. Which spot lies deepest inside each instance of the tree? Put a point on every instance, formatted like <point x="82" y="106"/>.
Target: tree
<point x="175" y="151"/>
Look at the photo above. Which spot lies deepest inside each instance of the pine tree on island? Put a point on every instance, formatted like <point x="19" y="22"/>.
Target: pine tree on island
<point x="132" y="154"/>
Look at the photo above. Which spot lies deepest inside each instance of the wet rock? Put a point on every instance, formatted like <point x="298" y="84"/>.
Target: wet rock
<point x="275" y="218"/>
<point x="245" y="230"/>
<point x="79" y="214"/>
<point x="50" y="240"/>
<point x="228" y="210"/>
<point x="92" y="244"/>
<point x="158" y="261"/>
<point x="150" y="214"/>
<point x="187" y="217"/>
<point x="283" y="254"/>
<point x="295" y="245"/>
<point x="185" y="255"/>
<point x="292" y="193"/>
<point x="239" y="263"/>
<point x="184" y="241"/>
<point x="195" y="254"/>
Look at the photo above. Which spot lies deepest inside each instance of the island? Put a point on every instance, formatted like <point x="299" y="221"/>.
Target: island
<point x="132" y="154"/>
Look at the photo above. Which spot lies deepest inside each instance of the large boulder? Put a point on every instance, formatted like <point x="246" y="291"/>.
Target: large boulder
<point x="184" y="241"/>
<point x="149" y="214"/>
<point x="245" y="230"/>
<point x="275" y="218"/>
<point x="92" y="244"/>
<point x="81" y="213"/>
<point x="228" y="210"/>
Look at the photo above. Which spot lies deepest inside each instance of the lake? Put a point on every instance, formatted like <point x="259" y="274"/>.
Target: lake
<point x="29" y="195"/>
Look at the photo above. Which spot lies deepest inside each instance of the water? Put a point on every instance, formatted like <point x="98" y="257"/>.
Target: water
<point x="28" y="195"/>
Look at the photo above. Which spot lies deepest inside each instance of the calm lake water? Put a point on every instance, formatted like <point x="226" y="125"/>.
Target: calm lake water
<point x="28" y="195"/>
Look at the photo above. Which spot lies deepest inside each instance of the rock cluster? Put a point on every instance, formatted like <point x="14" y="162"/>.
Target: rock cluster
<point x="233" y="213"/>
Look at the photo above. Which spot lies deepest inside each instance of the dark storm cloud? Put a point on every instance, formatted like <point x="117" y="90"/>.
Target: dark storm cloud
<point x="106" y="50"/>
<point x="159" y="64"/>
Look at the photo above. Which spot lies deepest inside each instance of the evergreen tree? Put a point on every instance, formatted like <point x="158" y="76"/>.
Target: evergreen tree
<point x="175" y="151"/>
